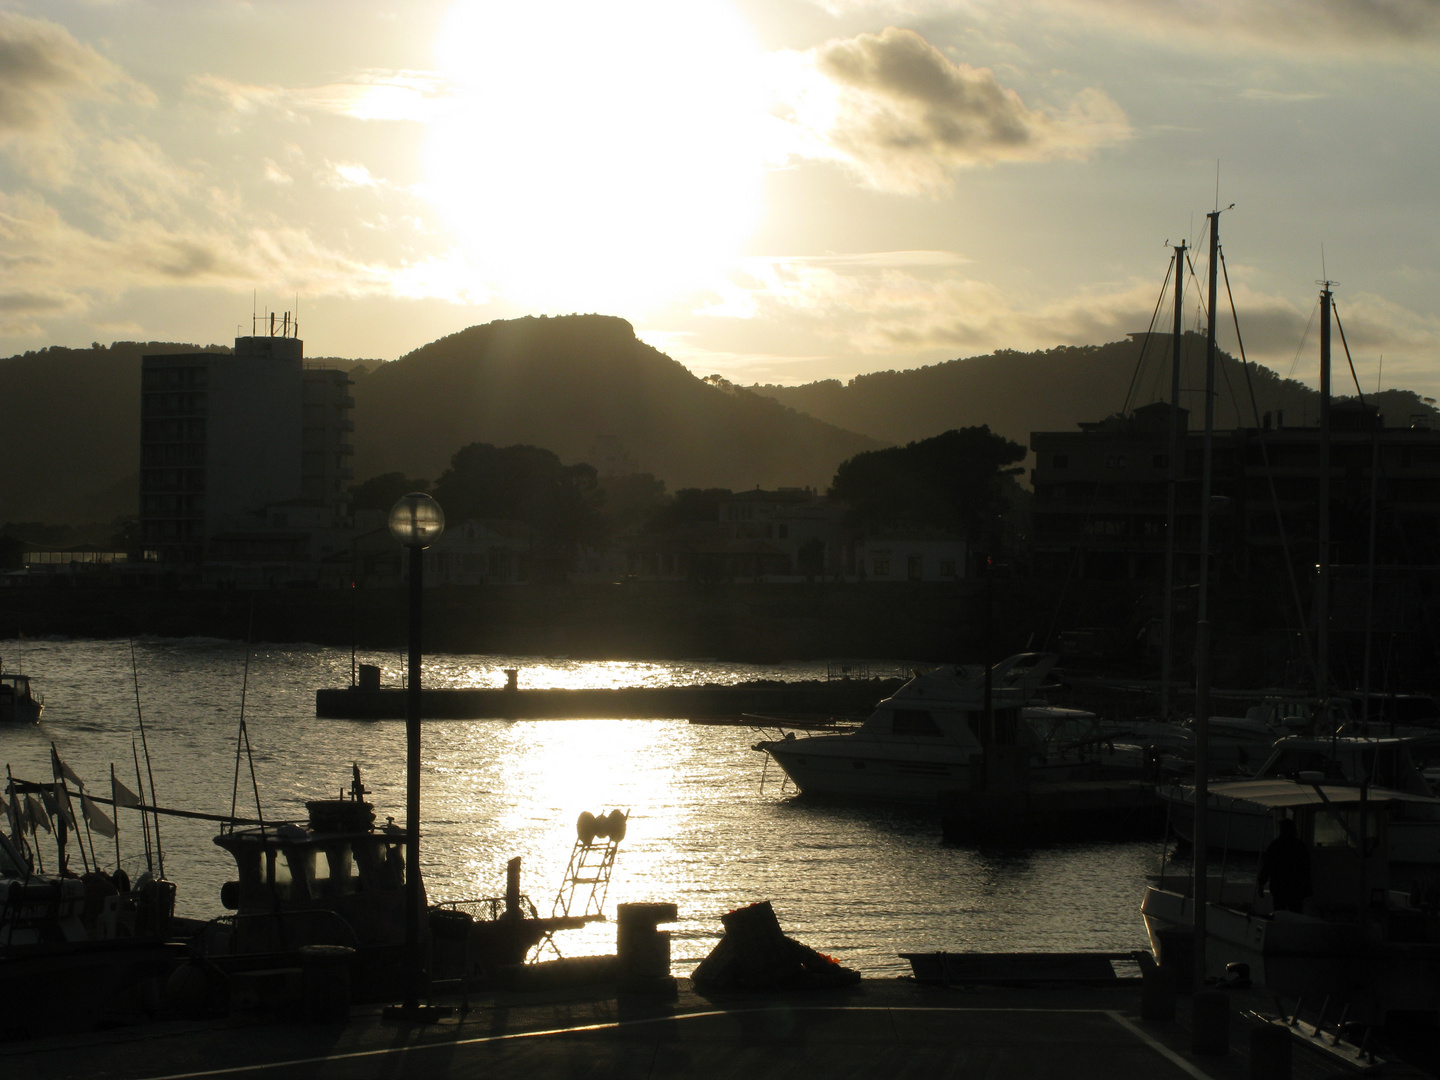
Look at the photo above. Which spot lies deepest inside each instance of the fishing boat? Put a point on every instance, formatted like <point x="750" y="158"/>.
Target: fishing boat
<point x="1367" y="938"/>
<point x="18" y="703"/>
<point x="77" y="949"/>
<point x="931" y="736"/>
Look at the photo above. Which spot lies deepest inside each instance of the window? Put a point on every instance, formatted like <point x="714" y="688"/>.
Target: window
<point x="784" y="532"/>
<point x="917" y="722"/>
<point x="1062" y="461"/>
<point x="882" y="568"/>
<point x="1160" y="461"/>
<point x="947" y="567"/>
<point x="914" y="568"/>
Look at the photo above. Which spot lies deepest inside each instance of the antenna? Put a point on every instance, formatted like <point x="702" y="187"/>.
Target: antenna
<point x="254" y="300"/>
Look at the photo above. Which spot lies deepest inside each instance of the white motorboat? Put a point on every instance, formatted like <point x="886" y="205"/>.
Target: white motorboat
<point x="931" y="735"/>
<point x="1366" y="937"/>
<point x="1241" y="821"/>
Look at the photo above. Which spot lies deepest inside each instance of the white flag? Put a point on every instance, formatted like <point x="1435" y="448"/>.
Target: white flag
<point x="69" y="773"/>
<point x="62" y="808"/>
<point x="36" y="813"/>
<point x="95" y="817"/>
<point x="122" y="795"/>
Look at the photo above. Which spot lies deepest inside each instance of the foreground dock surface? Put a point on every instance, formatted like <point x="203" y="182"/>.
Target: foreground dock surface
<point x="881" y="1028"/>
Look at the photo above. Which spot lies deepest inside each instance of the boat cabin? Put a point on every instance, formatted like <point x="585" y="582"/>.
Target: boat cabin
<point x="334" y="880"/>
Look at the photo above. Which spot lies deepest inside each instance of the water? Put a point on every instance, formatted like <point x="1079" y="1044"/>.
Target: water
<point x="859" y="883"/>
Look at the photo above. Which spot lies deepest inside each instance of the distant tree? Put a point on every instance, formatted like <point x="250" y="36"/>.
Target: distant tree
<point x="380" y="492"/>
<point x="630" y="500"/>
<point x="690" y="506"/>
<point x="561" y="503"/>
<point x="956" y="481"/>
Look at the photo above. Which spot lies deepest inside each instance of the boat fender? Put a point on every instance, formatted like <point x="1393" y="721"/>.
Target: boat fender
<point x="585" y="828"/>
<point x="121" y="880"/>
<point x="230" y="896"/>
<point x="617" y="826"/>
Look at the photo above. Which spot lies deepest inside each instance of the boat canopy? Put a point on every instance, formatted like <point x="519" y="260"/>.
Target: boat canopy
<point x="1280" y="794"/>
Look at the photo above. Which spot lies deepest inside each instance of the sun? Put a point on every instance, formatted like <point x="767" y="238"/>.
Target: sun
<point x="598" y="157"/>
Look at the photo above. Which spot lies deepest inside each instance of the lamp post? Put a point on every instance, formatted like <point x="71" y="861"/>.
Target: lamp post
<point x="416" y="520"/>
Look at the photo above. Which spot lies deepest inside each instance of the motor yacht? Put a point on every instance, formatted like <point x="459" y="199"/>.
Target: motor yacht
<point x="931" y="736"/>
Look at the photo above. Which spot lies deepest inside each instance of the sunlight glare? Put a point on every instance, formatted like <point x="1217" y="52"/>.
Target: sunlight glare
<point x="598" y="157"/>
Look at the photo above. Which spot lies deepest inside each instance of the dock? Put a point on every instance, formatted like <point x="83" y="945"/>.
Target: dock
<point x="881" y="1027"/>
<point x="832" y="698"/>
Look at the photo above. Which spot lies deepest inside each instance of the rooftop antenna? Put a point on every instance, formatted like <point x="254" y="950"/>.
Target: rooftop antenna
<point x="254" y="302"/>
<point x="296" y="321"/>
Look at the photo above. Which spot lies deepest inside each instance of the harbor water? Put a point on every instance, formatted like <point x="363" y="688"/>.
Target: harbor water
<point x="710" y="828"/>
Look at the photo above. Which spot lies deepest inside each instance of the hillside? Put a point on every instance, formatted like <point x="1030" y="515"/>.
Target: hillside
<point x="1017" y="393"/>
<point x="564" y="383"/>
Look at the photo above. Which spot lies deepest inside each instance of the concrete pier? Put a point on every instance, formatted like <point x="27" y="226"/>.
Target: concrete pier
<point x="889" y="1027"/>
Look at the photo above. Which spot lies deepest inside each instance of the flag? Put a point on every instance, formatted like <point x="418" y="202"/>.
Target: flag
<point x="122" y="795"/>
<point x="62" y="808"/>
<point x="95" y="817"/>
<point x="67" y="772"/>
<point x="36" y="813"/>
<point x="17" y="812"/>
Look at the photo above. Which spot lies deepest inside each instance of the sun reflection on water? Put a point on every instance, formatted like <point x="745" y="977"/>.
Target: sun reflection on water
<point x="861" y="883"/>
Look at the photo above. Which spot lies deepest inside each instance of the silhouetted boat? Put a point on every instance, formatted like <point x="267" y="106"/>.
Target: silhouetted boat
<point x="18" y="704"/>
<point x="933" y="734"/>
<point x="337" y="879"/>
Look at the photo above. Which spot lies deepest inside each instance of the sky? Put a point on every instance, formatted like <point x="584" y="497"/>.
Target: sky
<point x="775" y="191"/>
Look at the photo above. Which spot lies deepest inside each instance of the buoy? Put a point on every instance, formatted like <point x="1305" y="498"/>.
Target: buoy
<point x="585" y="828"/>
<point x="617" y="826"/>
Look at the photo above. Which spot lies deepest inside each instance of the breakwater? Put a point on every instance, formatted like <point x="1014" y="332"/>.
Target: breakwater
<point x="841" y="697"/>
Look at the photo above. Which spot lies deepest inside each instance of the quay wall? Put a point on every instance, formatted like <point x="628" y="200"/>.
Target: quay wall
<point x="737" y="622"/>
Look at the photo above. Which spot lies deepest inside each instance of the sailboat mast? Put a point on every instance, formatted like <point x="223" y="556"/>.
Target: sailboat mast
<point x="1176" y="463"/>
<point x="1322" y="509"/>
<point x="1202" y="624"/>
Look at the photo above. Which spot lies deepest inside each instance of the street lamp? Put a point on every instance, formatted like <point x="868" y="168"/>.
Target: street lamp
<point x="416" y="520"/>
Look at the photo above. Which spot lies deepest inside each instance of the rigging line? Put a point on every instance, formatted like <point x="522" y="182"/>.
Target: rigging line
<point x="1381" y="473"/>
<point x="1308" y="652"/>
<point x="1353" y="377"/>
<point x="1095" y="493"/>
<point x="149" y="768"/>
<point x="244" y="733"/>
<point x="1299" y="349"/>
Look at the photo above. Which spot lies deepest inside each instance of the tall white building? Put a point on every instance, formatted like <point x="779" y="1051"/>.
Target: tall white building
<point x="225" y="436"/>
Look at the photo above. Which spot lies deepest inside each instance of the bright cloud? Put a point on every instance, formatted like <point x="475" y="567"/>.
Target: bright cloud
<point x="906" y="118"/>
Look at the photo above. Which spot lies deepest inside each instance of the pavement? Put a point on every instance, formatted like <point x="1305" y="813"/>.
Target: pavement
<point x="887" y="1028"/>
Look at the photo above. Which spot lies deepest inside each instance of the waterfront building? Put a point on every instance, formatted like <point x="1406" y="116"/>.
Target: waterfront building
<point x="235" y="445"/>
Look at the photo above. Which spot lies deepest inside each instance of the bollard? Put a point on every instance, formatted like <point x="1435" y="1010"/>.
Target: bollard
<point x="1158" y="991"/>
<point x="643" y="949"/>
<point x="325" y="982"/>
<point x="1270" y="1052"/>
<point x="1210" y="1023"/>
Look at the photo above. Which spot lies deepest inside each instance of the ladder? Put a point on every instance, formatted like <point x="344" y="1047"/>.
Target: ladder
<point x="586" y="883"/>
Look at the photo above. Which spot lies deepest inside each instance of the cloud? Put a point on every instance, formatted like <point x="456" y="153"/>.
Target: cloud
<point x="369" y="95"/>
<point x="43" y="70"/>
<point x="1391" y="27"/>
<point x="905" y="311"/>
<point x="903" y="116"/>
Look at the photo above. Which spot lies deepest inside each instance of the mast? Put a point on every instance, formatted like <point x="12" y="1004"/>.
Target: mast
<point x="1202" y="624"/>
<point x="1170" y="489"/>
<point x="1322" y="509"/>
